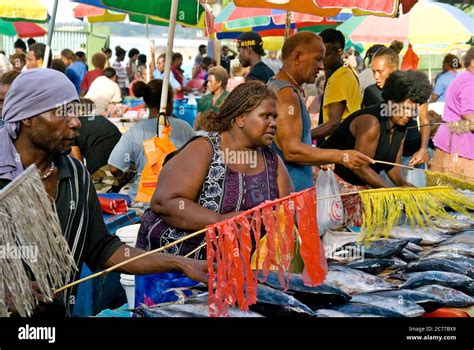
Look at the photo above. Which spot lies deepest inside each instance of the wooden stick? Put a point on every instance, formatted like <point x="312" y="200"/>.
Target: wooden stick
<point x="110" y="269"/>
<point x="195" y="250"/>
<point x="399" y="165"/>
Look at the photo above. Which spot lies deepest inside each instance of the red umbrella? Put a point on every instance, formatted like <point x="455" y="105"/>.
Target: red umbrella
<point x="21" y="29"/>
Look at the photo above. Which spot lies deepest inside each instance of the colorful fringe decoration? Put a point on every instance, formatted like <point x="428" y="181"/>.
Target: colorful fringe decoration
<point x="383" y="208"/>
<point x="229" y="247"/>
<point x="434" y="178"/>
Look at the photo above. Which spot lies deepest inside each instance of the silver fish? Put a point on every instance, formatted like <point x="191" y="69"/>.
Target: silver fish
<point x="353" y="281"/>
<point x="458" y="248"/>
<point x="464" y="237"/>
<point x="449" y="279"/>
<point x="368" y="310"/>
<point x="414" y="248"/>
<point x="405" y="307"/>
<point x="427" y="301"/>
<point x="428" y="236"/>
<point x="450" y="296"/>
<point x="434" y="264"/>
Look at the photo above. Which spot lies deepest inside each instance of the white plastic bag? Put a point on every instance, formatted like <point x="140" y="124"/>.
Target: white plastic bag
<point x="330" y="210"/>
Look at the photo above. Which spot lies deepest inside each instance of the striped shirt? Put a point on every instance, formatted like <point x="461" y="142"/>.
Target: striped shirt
<point x="81" y="219"/>
<point x="122" y="77"/>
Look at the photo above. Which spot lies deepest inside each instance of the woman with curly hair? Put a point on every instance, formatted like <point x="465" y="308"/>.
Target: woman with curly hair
<point x="379" y="132"/>
<point x="214" y="177"/>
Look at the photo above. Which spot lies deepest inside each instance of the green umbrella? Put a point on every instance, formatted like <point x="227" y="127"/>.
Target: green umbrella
<point x="189" y="11"/>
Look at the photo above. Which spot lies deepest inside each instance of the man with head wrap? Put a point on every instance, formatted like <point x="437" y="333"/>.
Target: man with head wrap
<point x="39" y="128"/>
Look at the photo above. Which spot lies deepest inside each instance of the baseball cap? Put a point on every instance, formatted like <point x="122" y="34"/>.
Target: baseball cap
<point x="253" y="40"/>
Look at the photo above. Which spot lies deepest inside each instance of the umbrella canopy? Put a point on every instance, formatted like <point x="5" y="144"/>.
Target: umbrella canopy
<point x="96" y="11"/>
<point x="21" y="29"/>
<point x="233" y="17"/>
<point x="301" y="6"/>
<point x="23" y="10"/>
<point x="426" y="23"/>
<point x="328" y="8"/>
<point x="97" y="14"/>
<point x="233" y="21"/>
<point x="190" y="12"/>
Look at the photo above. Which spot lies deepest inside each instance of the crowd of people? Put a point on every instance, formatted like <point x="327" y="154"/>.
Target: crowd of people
<point x="353" y="116"/>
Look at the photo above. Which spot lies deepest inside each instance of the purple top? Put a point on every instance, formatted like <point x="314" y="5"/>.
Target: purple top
<point x="459" y="101"/>
<point x="223" y="191"/>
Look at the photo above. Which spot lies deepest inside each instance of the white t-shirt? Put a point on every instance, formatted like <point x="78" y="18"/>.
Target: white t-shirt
<point x="103" y="92"/>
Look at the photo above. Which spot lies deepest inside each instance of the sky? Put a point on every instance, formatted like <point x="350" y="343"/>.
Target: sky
<point x="64" y="13"/>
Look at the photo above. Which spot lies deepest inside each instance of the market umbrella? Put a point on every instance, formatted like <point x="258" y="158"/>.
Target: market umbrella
<point x="233" y="17"/>
<point x="328" y="8"/>
<point x="23" y="10"/>
<point x="21" y="29"/>
<point x="426" y="23"/>
<point x="97" y="14"/>
<point x="96" y="11"/>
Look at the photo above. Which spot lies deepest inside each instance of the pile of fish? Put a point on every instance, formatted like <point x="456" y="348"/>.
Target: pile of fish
<point x="415" y="271"/>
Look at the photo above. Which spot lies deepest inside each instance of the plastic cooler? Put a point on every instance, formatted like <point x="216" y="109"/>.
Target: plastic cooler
<point x="185" y="111"/>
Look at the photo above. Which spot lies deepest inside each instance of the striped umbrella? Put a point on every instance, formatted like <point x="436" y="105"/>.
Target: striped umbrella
<point x="233" y="20"/>
<point x="328" y="8"/>
<point x="426" y="23"/>
<point x="21" y="29"/>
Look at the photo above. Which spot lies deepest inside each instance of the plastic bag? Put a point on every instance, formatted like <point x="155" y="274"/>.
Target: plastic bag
<point x="330" y="210"/>
<point x="113" y="206"/>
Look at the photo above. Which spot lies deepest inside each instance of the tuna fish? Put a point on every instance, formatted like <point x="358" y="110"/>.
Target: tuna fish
<point x="353" y="281"/>
<point x="449" y="279"/>
<point x="428" y="301"/>
<point x="360" y="310"/>
<point x="402" y="306"/>
<point x="314" y="297"/>
<point x="435" y="264"/>
<point x="458" y="248"/>
<point x="382" y="248"/>
<point x="375" y="266"/>
<point x="464" y="237"/>
<point x="408" y="255"/>
<point x="427" y="236"/>
<point x="414" y="248"/>
<point x="451" y="297"/>
<point x="273" y="302"/>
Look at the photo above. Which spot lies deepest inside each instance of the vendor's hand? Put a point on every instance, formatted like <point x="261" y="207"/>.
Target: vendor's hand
<point x="327" y="167"/>
<point x="195" y="269"/>
<point x="355" y="160"/>
<point x="42" y="299"/>
<point x="152" y="50"/>
<point x="420" y="157"/>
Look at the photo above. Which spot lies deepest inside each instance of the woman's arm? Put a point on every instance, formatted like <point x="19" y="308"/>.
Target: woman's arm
<point x="178" y="187"/>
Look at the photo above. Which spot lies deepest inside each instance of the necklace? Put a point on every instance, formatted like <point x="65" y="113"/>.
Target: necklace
<point x="49" y="172"/>
<point x="294" y="82"/>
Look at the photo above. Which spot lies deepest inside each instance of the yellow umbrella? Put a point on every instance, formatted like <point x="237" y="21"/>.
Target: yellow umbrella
<point x="23" y="10"/>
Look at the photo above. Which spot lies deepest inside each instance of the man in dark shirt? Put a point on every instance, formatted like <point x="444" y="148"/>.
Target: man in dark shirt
<point x="415" y="151"/>
<point x="226" y="59"/>
<point x="97" y="138"/>
<point x="40" y="130"/>
<point x="250" y="46"/>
